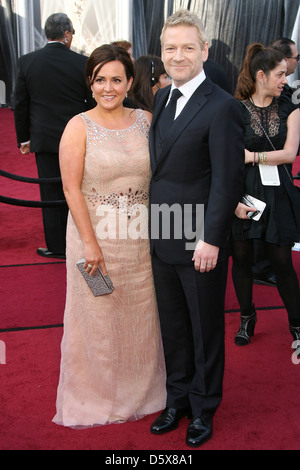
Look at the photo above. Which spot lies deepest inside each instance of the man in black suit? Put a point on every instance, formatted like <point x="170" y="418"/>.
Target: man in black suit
<point x="197" y="162"/>
<point x="50" y="90"/>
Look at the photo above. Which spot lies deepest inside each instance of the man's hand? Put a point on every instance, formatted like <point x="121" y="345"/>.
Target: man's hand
<point x="205" y="256"/>
<point x="25" y="149"/>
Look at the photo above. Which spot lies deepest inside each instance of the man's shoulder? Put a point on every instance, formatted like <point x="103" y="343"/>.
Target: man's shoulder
<point x="215" y="89"/>
<point x="214" y="93"/>
<point x="77" y="56"/>
<point x="222" y="96"/>
<point x="31" y="55"/>
<point x="50" y="49"/>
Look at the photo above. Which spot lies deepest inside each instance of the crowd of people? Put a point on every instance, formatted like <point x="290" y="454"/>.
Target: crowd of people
<point x="127" y="137"/>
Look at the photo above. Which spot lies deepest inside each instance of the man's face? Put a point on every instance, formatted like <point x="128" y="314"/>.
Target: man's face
<point x="291" y="62"/>
<point x="182" y="54"/>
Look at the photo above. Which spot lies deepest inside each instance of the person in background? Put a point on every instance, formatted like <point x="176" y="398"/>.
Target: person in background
<point x="50" y="89"/>
<point x="149" y="77"/>
<point x="289" y="49"/>
<point x="272" y="124"/>
<point x="197" y="160"/>
<point x="217" y="74"/>
<point x="127" y="45"/>
<point x="112" y="366"/>
<point x="262" y="271"/>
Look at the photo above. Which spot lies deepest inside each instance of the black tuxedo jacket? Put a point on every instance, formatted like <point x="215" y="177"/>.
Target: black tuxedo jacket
<point x="50" y="90"/>
<point x="200" y="160"/>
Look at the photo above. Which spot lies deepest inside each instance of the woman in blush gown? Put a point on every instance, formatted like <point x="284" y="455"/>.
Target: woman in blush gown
<point x="112" y="366"/>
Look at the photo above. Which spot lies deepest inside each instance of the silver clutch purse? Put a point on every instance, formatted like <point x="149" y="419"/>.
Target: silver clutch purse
<point x="98" y="283"/>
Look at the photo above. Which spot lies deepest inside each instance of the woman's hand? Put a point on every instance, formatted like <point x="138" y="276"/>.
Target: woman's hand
<point x="242" y="210"/>
<point x="93" y="259"/>
<point x="249" y="157"/>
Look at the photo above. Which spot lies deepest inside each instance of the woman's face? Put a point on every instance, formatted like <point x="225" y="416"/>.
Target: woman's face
<point x="275" y="80"/>
<point x="164" y="80"/>
<point x="111" y="85"/>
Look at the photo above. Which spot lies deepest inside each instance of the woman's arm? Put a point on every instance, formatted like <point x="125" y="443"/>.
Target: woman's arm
<point x="71" y="156"/>
<point x="291" y="146"/>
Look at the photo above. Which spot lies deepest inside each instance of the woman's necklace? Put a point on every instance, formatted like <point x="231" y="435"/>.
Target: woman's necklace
<point x="251" y="99"/>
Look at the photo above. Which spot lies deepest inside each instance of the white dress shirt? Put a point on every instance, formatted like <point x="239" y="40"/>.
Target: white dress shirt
<point x="187" y="90"/>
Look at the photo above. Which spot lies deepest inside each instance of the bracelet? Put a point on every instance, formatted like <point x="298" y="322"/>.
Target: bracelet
<point x="262" y="158"/>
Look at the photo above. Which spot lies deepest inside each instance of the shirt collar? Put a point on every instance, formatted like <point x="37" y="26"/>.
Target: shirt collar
<point x="56" y="42"/>
<point x="190" y="87"/>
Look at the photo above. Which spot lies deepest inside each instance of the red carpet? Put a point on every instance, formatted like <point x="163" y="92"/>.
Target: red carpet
<point x="260" y="408"/>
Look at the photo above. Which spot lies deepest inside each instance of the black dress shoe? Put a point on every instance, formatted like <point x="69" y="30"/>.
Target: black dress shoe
<point x="198" y="432"/>
<point x="265" y="280"/>
<point x="48" y="254"/>
<point x="167" y="420"/>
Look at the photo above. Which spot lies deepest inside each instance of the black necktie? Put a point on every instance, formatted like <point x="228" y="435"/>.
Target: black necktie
<point x="171" y="108"/>
<point x="168" y="114"/>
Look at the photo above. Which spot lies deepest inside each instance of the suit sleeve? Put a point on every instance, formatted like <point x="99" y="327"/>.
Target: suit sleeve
<point x="227" y="156"/>
<point x="21" y="106"/>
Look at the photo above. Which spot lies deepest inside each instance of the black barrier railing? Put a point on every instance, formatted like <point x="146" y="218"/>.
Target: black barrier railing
<point x="25" y="179"/>
<point x="24" y="203"/>
<point x="21" y="202"/>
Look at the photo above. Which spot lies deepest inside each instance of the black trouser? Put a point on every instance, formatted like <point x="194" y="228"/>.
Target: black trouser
<point x="54" y="218"/>
<point x="191" y="310"/>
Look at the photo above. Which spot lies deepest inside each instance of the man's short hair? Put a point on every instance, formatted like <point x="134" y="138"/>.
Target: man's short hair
<point x="283" y="45"/>
<point x="56" y="25"/>
<point x="185" y="18"/>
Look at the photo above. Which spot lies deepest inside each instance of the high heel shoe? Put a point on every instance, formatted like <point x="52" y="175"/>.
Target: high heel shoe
<point x="243" y="336"/>
<point x="295" y="331"/>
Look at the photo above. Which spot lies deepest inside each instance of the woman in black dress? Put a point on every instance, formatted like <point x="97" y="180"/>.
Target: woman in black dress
<point x="272" y="125"/>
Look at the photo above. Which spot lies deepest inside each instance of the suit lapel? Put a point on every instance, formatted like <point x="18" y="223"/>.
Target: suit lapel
<point x="191" y="109"/>
<point x="160" y="101"/>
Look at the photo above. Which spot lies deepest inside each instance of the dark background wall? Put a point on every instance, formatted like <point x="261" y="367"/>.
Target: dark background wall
<point x="230" y="24"/>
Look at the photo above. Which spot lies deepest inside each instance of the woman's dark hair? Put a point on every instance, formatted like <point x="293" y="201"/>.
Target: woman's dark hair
<point x="147" y="70"/>
<point x="103" y="55"/>
<point x="257" y="58"/>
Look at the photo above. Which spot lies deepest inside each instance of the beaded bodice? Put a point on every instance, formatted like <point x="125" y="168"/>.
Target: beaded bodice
<point x="117" y="163"/>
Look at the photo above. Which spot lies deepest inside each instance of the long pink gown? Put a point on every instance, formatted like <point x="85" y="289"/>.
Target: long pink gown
<point x="112" y="366"/>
